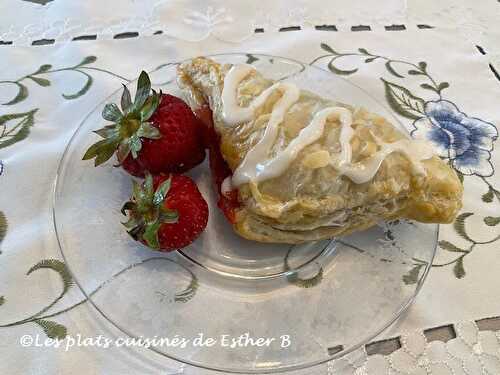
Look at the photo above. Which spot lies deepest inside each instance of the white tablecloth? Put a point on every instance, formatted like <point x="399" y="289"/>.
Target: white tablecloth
<point x="462" y="286"/>
<point x="26" y="20"/>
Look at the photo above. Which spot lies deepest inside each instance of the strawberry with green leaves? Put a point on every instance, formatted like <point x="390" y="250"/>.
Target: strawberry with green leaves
<point x="156" y="132"/>
<point x="166" y="213"/>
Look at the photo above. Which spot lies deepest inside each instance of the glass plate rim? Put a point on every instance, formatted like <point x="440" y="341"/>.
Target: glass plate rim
<point x="398" y="314"/>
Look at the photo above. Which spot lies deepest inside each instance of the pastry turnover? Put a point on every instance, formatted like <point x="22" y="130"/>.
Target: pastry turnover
<point x="306" y="168"/>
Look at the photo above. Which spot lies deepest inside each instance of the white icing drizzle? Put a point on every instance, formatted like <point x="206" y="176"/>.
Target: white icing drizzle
<point x="311" y="133"/>
<point x="251" y="165"/>
<point x="256" y="166"/>
<point x="346" y="132"/>
<point x="232" y="112"/>
<point x="415" y="151"/>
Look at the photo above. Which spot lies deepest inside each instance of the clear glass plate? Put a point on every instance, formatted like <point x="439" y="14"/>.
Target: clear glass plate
<point x="312" y="302"/>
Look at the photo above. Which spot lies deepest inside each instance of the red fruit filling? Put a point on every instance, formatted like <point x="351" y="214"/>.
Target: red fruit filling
<point x="227" y="202"/>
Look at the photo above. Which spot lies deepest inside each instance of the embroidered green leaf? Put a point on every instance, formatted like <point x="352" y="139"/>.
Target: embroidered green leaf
<point x="488" y="196"/>
<point x="22" y="93"/>
<point x="40" y="2"/>
<point x="328" y="49"/>
<point x="3" y="226"/>
<point x="87" y="60"/>
<point x="429" y="87"/>
<point x="57" y="266"/>
<point x="414" y="72"/>
<point x="251" y="58"/>
<point x="369" y="60"/>
<point x="339" y="71"/>
<point x="443" y="85"/>
<point x="458" y="269"/>
<point x="43" y="69"/>
<point x="391" y="70"/>
<point x="492" y="220"/>
<point x="403" y="101"/>
<point x="459" y="225"/>
<point x="83" y="90"/>
<point x="305" y="283"/>
<point x="411" y="277"/>
<point x="363" y="51"/>
<point x="188" y="293"/>
<point x="448" y="246"/>
<point x="52" y="329"/>
<point x="15" y="127"/>
<point x="40" y="81"/>
<point x="22" y="90"/>
<point x="2" y="300"/>
<point x="437" y="89"/>
<point x="60" y="268"/>
<point x="423" y="66"/>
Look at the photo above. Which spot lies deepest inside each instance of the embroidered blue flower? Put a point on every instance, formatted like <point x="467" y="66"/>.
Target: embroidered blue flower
<point x="465" y="141"/>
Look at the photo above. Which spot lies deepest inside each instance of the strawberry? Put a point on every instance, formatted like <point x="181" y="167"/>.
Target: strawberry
<point x="166" y="213"/>
<point x="157" y="133"/>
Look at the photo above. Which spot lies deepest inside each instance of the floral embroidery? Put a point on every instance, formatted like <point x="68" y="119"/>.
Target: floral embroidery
<point x="3" y="227"/>
<point x="56" y="330"/>
<point x="15" y="127"/>
<point x="211" y="18"/>
<point x="465" y="141"/>
<point x="41" y="2"/>
<point x="45" y="69"/>
<point x="214" y="18"/>
<point x="51" y="328"/>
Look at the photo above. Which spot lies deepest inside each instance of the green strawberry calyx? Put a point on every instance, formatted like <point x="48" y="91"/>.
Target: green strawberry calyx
<point x="146" y="211"/>
<point x="130" y="124"/>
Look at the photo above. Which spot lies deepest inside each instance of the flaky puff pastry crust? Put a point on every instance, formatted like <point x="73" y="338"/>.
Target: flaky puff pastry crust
<point x="311" y="200"/>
